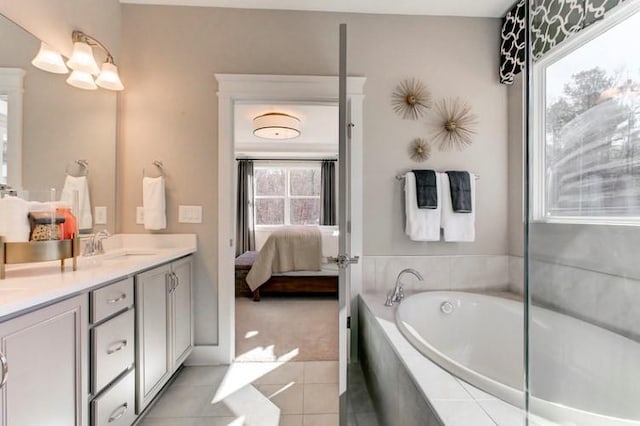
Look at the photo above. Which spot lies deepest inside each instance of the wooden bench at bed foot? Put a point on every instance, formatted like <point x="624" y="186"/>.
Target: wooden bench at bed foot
<point x="297" y="285"/>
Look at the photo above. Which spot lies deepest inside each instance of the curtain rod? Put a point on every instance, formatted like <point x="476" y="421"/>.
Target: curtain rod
<point x="287" y="159"/>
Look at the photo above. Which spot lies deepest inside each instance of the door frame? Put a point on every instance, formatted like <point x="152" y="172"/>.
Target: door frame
<point x="234" y="88"/>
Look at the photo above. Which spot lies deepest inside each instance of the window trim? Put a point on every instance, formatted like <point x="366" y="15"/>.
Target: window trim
<point x="537" y="184"/>
<point x="288" y="166"/>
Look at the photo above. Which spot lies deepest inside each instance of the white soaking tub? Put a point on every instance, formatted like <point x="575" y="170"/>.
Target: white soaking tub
<point x="581" y="374"/>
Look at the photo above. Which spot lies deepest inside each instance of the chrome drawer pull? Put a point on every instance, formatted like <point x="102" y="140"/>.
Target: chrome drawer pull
<point x="5" y="369"/>
<point x="117" y="299"/>
<point x="121" y="345"/>
<point x="177" y="280"/>
<point x="118" y="412"/>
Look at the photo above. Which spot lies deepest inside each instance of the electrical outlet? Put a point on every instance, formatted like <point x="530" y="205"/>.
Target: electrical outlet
<point x="190" y="214"/>
<point x="139" y="215"/>
<point x="100" y="215"/>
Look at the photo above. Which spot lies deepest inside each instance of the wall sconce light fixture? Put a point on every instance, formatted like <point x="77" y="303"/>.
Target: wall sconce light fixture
<point x="82" y="64"/>
<point x="276" y="125"/>
<point x="49" y="59"/>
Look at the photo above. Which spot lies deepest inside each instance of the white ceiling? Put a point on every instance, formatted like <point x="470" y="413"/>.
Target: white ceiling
<point x="477" y="8"/>
<point x="318" y="130"/>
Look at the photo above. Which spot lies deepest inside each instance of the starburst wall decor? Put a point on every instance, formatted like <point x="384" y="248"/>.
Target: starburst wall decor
<point x="411" y="99"/>
<point x="419" y="150"/>
<point x="455" y="124"/>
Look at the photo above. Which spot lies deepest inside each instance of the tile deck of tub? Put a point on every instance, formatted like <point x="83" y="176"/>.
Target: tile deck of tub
<point x="456" y="402"/>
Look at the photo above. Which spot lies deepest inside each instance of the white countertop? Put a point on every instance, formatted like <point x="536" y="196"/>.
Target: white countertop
<point x="32" y="284"/>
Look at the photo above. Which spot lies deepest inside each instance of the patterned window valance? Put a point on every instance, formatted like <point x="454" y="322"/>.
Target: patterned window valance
<point x="552" y="22"/>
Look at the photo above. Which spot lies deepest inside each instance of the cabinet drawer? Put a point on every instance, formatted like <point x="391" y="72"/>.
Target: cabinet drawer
<point x="111" y="299"/>
<point x="115" y="406"/>
<point x="112" y="349"/>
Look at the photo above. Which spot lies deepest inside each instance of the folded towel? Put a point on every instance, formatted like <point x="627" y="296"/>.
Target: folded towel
<point x="153" y="203"/>
<point x="460" y="187"/>
<point x="14" y="222"/>
<point x="81" y="185"/>
<point x="457" y="226"/>
<point x="421" y="224"/>
<point x="426" y="189"/>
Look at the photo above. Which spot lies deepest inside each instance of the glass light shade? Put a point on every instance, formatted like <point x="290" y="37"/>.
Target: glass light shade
<point x="82" y="59"/>
<point x="50" y="60"/>
<point x="276" y="125"/>
<point x="82" y="80"/>
<point x="109" y="78"/>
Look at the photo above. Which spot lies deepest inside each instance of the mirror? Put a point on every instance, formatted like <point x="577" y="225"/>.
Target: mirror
<point x="60" y="125"/>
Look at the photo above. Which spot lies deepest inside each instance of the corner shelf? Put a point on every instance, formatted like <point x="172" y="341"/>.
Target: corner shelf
<point x="38" y="251"/>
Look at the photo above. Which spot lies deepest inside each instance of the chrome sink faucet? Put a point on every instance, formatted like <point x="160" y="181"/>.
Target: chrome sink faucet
<point x="397" y="294"/>
<point x="94" y="245"/>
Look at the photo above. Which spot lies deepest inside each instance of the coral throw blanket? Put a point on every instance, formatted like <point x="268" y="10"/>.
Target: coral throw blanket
<point x="291" y="248"/>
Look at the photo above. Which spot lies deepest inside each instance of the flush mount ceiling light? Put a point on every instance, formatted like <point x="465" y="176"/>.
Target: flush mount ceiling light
<point x="276" y="125"/>
<point x="49" y="59"/>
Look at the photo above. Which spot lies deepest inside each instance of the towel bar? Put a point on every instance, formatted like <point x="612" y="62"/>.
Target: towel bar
<point x="401" y="177"/>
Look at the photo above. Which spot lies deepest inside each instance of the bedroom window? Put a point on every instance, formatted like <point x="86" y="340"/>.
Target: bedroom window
<point x="287" y="195"/>
<point x="587" y="127"/>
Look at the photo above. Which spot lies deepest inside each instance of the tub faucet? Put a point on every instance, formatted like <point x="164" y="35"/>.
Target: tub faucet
<point x="397" y="294"/>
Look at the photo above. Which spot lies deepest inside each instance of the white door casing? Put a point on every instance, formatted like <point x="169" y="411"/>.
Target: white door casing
<point x="234" y="88"/>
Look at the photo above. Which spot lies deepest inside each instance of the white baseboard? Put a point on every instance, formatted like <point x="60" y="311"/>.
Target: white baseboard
<point x="208" y="355"/>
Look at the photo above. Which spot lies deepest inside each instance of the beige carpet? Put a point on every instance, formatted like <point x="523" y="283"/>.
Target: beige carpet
<point x="287" y="328"/>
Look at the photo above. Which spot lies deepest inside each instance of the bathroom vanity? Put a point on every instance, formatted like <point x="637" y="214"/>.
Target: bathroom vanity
<point x="95" y="346"/>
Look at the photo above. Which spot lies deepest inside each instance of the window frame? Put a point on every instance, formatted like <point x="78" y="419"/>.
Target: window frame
<point x="287" y="166"/>
<point x="537" y="184"/>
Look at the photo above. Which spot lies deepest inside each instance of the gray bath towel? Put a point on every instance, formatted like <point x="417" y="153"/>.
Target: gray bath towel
<point x="460" y="186"/>
<point x="426" y="189"/>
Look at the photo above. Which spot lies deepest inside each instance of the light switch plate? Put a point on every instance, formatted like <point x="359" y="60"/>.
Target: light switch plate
<point x="139" y="215"/>
<point x="100" y="215"/>
<point x="190" y="214"/>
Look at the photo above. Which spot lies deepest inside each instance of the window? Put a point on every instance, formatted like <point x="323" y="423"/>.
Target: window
<point x="587" y="126"/>
<point x="287" y="195"/>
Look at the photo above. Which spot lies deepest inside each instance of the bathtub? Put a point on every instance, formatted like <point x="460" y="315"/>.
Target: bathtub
<point x="580" y="374"/>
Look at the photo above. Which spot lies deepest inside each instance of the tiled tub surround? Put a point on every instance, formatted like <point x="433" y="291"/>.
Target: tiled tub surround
<point x="408" y="389"/>
<point x="473" y="272"/>
<point x="603" y="299"/>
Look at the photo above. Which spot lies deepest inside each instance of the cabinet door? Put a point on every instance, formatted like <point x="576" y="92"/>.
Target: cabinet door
<point x="182" y="316"/>
<point x="153" y="367"/>
<point x="46" y="356"/>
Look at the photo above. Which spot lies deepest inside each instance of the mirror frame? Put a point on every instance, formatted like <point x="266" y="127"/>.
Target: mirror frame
<point x="12" y="85"/>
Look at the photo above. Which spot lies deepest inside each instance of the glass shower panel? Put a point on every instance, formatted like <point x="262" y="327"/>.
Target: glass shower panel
<point x="583" y="276"/>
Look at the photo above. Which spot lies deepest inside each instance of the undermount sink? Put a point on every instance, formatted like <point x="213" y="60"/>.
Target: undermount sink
<point x="127" y="254"/>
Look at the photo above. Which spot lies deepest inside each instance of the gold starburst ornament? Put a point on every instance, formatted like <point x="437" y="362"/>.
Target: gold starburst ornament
<point x="419" y="150"/>
<point x="411" y="99"/>
<point x="455" y="124"/>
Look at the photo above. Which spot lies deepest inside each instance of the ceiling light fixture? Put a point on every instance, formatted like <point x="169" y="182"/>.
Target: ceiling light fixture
<point x="276" y="125"/>
<point x="49" y="59"/>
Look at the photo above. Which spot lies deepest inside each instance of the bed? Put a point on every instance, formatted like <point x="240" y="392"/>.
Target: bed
<point x="293" y="260"/>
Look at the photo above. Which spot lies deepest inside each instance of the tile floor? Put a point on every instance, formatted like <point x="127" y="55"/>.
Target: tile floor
<point x="251" y="394"/>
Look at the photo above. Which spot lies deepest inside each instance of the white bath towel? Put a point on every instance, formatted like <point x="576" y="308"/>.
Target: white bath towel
<point x="81" y="185"/>
<point x="457" y="226"/>
<point x="153" y="203"/>
<point x="14" y="221"/>
<point x="421" y="224"/>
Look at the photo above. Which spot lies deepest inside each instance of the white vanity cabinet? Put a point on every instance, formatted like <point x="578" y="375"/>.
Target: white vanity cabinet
<point x="43" y="370"/>
<point x="164" y="326"/>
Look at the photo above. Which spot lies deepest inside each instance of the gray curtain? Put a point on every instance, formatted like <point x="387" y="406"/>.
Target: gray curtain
<point x="245" y="229"/>
<point x="328" y="194"/>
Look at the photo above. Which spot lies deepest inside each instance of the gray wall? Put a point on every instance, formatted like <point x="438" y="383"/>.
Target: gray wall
<point x="169" y="112"/>
<point x="516" y="119"/>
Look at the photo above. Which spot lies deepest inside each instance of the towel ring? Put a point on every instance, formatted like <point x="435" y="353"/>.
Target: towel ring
<point x="83" y="168"/>
<point x="157" y="164"/>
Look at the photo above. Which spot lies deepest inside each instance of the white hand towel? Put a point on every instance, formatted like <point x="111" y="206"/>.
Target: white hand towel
<point x="154" y="204"/>
<point x="80" y="184"/>
<point x="457" y="226"/>
<point x="14" y="220"/>
<point x="421" y="224"/>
